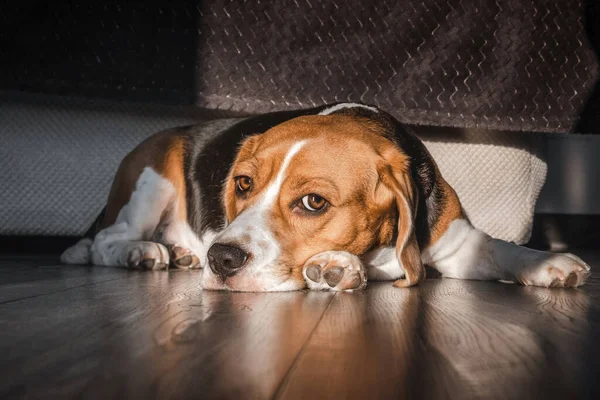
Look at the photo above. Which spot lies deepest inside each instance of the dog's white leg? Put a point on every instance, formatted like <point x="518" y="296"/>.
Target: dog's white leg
<point x="119" y="246"/>
<point x="126" y="243"/>
<point x="465" y="252"/>
<point x="186" y="249"/>
<point x="382" y="264"/>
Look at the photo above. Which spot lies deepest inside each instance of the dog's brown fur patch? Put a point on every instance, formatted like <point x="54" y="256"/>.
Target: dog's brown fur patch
<point x="164" y="153"/>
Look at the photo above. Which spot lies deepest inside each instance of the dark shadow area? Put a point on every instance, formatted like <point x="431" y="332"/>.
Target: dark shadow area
<point x="563" y="231"/>
<point x="108" y="49"/>
<point x="589" y="120"/>
<point x="35" y="245"/>
<point x="77" y="104"/>
<point x="448" y="134"/>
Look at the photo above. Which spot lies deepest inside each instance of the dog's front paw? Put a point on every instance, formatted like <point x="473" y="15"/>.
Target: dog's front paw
<point x="558" y="270"/>
<point x="182" y="257"/>
<point x="335" y="270"/>
<point x="147" y="255"/>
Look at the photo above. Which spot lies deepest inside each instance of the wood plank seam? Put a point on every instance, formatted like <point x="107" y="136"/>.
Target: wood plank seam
<point x="290" y="370"/>
<point x="57" y="291"/>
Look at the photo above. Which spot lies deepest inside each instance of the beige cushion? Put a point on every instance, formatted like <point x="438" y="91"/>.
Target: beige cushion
<point x="497" y="175"/>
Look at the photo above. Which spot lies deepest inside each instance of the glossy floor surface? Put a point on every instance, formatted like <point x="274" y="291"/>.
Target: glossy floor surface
<point x="94" y="332"/>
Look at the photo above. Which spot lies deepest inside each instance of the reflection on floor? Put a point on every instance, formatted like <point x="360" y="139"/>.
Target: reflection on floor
<point x="104" y="333"/>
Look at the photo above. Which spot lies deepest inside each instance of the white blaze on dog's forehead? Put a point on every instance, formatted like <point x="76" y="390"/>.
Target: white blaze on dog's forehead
<point x="251" y="231"/>
<point x="343" y="106"/>
<point x="273" y="190"/>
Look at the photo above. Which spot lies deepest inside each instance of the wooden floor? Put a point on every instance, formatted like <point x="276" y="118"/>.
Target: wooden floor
<point x="102" y="333"/>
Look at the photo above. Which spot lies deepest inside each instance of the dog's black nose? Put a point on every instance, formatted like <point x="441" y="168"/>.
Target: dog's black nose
<point x="225" y="260"/>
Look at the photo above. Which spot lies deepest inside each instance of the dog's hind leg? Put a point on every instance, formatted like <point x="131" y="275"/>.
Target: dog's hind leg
<point x="465" y="252"/>
<point x="458" y="250"/>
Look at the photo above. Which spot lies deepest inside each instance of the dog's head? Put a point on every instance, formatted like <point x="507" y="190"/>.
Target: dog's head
<point x="312" y="184"/>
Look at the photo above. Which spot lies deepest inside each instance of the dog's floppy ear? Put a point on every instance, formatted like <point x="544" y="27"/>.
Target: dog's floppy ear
<point x="394" y="173"/>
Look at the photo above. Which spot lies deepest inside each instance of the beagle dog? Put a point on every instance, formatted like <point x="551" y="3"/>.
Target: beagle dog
<point x="323" y="198"/>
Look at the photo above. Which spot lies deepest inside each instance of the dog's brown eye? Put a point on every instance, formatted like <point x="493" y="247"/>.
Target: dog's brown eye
<point x="243" y="183"/>
<point x="313" y="202"/>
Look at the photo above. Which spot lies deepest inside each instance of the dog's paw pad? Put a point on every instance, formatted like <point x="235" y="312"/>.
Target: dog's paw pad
<point x="182" y="257"/>
<point x="151" y="263"/>
<point x="147" y="255"/>
<point x="560" y="270"/>
<point x="335" y="270"/>
<point x="313" y="273"/>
